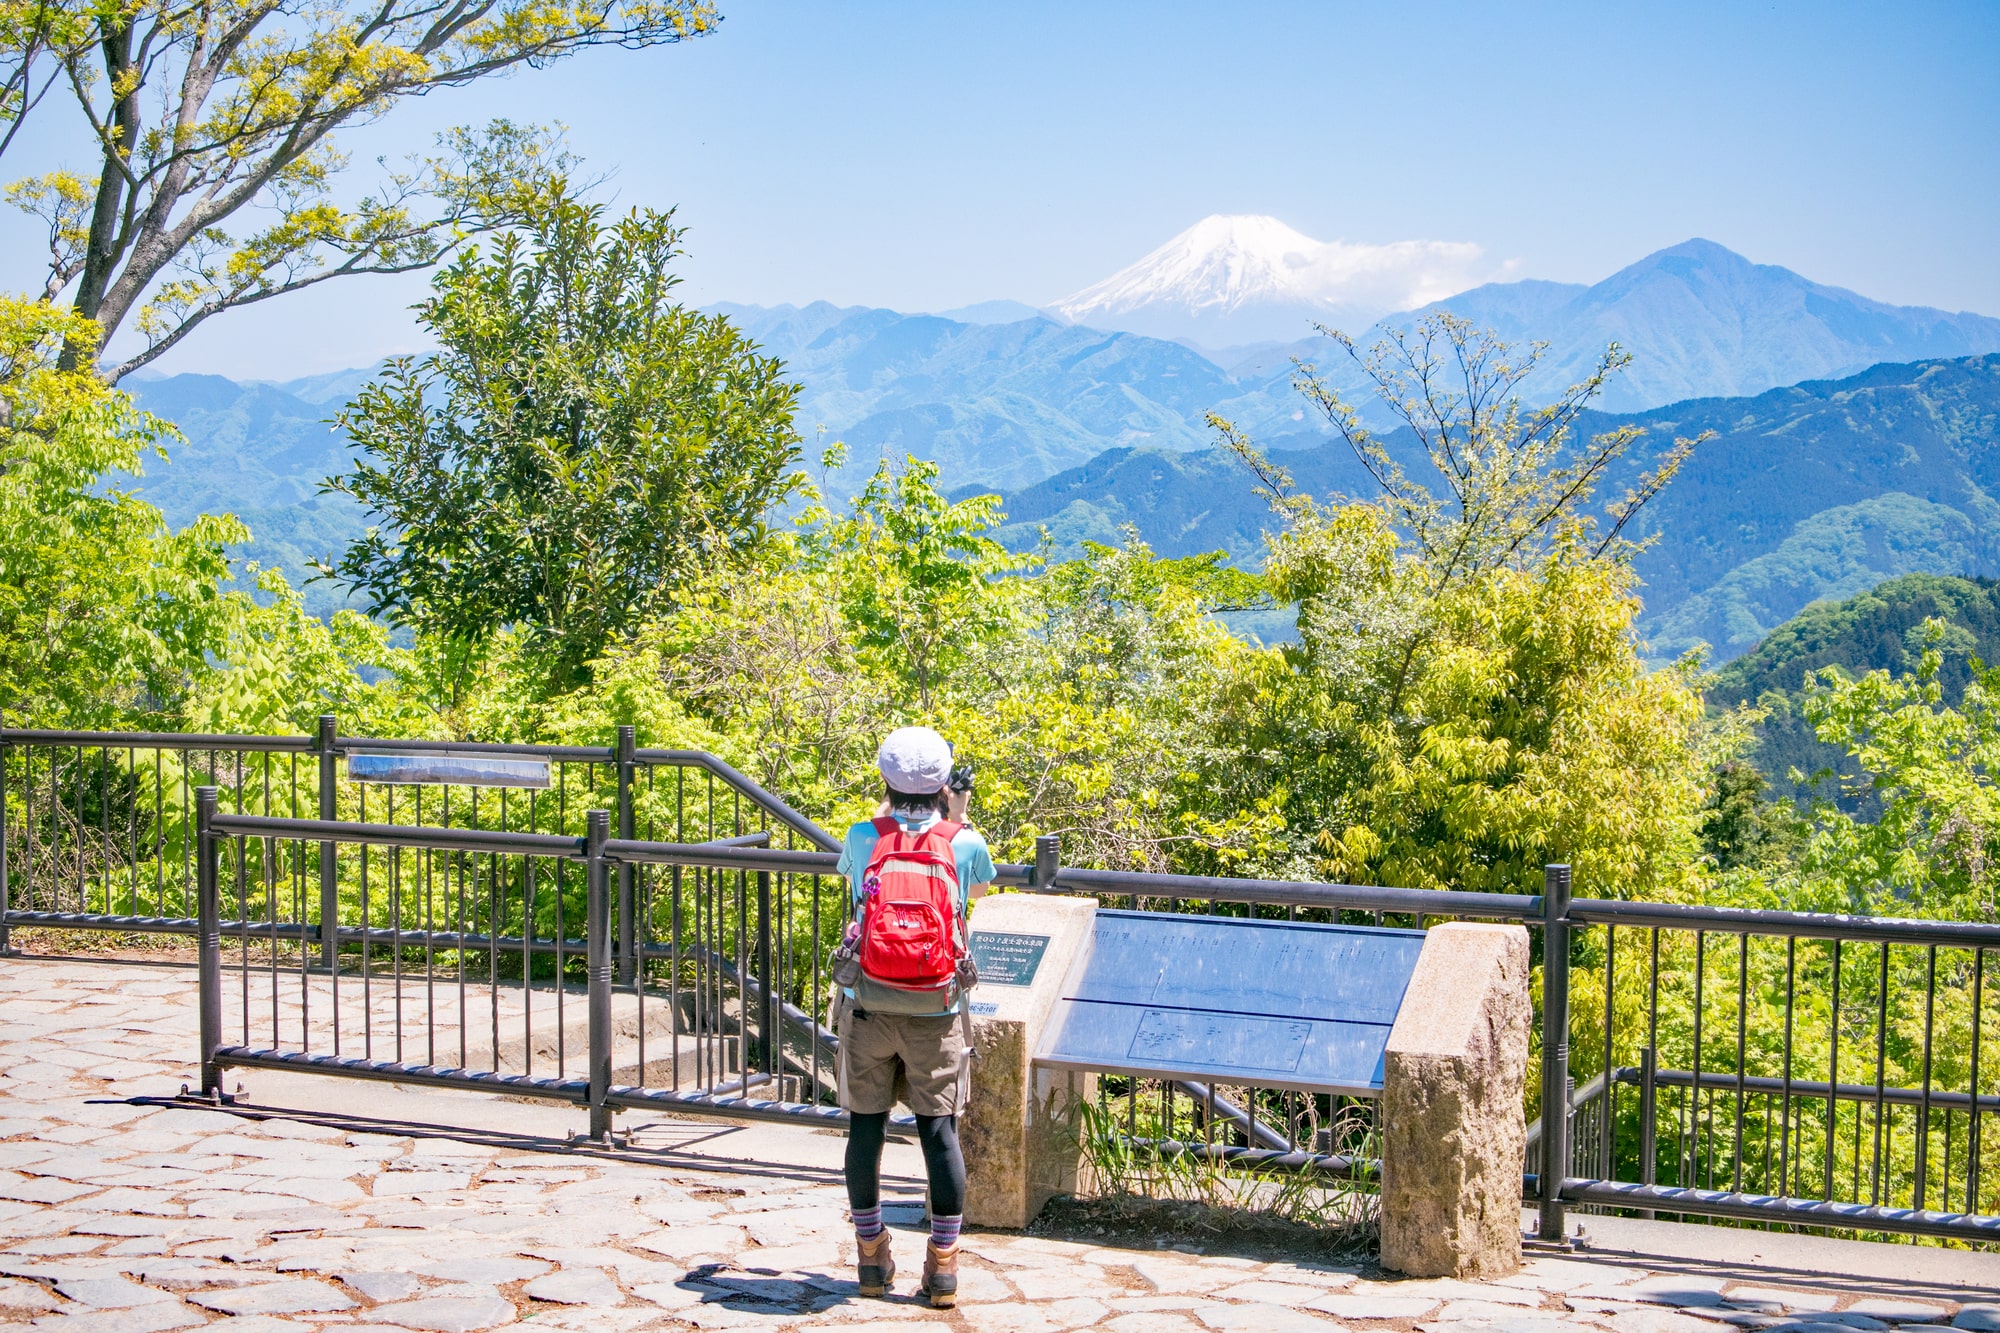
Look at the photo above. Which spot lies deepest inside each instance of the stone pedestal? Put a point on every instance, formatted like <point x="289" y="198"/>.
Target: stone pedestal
<point x="1019" y="1148"/>
<point x="1453" y="1131"/>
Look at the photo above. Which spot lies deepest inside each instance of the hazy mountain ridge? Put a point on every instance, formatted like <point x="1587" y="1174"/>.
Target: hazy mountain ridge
<point x="1819" y="490"/>
<point x="1700" y="321"/>
<point x="257" y="451"/>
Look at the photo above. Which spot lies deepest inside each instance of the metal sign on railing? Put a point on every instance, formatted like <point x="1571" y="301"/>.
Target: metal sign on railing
<point x="448" y="769"/>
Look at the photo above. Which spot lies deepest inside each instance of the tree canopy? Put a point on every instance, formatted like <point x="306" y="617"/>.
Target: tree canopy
<point x="579" y="449"/>
<point x="200" y="115"/>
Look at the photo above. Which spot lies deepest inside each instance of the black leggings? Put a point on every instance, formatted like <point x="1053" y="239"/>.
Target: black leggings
<point x="937" y="1135"/>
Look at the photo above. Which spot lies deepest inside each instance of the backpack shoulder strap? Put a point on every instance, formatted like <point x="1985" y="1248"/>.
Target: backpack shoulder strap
<point x="945" y="829"/>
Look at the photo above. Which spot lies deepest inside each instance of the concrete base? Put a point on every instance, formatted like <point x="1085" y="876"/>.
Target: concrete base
<point x="1453" y="1131"/>
<point x="1020" y="1149"/>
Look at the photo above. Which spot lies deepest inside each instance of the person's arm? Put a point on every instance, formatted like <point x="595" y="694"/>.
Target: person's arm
<point x="979" y="872"/>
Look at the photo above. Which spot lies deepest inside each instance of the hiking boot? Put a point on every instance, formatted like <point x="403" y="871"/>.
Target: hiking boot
<point x="875" y="1267"/>
<point x="940" y="1276"/>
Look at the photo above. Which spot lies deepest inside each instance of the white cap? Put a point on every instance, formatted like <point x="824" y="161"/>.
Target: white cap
<point x="915" y="760"/>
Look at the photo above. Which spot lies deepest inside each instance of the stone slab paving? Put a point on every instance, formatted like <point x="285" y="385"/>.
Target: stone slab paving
<point x="131" y="1217"/>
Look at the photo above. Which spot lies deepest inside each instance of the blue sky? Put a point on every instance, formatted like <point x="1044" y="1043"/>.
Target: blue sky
<point x="923" y="156"/>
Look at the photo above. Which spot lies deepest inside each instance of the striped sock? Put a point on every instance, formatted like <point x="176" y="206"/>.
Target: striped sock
<point x="944" y="1230"/>
<point x="868" y="1222"/>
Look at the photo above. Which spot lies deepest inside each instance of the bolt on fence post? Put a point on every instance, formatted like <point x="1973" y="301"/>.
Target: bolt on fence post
<point x="628" y="760"/>
<point x="1555" y="1048"/>
<point x="329" y="809"/>
<point x="208" y="916"/>
<point x="1048" y="862"/>
<point x="597" y="944"/>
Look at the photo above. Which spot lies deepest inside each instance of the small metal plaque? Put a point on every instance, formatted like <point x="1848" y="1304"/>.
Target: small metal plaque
<point x="1278" y="1004"/>
<point x="455" y="770"/>
<point x="983" y="1008"/>
<point x="1007" y="959"/>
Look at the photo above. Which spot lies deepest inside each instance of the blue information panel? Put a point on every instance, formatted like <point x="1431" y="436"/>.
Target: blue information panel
<point x="1277" y="1004"/>
<point x="457" y="770"/>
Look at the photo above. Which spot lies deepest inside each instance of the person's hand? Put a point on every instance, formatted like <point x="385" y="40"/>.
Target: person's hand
<point x="957" y="803"/>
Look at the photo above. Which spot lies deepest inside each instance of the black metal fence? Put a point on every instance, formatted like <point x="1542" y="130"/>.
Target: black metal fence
<point x="1784" y="1068"/>
<point x="96" y="828"/>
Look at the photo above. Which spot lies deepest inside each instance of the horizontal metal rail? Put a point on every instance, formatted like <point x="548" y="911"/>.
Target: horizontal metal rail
<point x="399" y="835"/>
<point x="572" y="1090"/>
<point x="1794" y="925"/>
<point x="744" y="1108"/>
<point x="600" y="754"/>
<point x="720" y="856"/>
<point x="403" y="938"/>
<point x="1793" y="1212"/>
<point x="156" y="740"/>
<point x="1298" y="893"/>
<point x="1763" y="1084"/>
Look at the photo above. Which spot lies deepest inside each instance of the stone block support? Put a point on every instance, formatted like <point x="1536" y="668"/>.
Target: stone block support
<point x="1020" y="1149"/>
<point x="1454" y="1134"/>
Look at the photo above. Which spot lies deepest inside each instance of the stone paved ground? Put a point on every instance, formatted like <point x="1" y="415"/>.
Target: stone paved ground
<point x="132" y="1218"/>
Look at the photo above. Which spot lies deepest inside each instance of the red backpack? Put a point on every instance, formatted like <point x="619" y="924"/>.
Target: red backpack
<point x="911" y="940"/>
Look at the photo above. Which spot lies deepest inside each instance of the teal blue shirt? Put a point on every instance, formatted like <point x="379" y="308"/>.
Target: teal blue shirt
<point x="975" y="862"/>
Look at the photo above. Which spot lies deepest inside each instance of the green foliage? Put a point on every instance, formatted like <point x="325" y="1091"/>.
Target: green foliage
<point x="1932" y="767"/>
<point x="579" y="449"/>
<point x="1466" y="702"/>
<point x="105" y="614"/>
<point x="199" y="113"/>
<point x="1878" y="630"/>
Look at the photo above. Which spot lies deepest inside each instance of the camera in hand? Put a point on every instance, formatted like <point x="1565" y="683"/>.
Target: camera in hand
<point x="961" y="778"/>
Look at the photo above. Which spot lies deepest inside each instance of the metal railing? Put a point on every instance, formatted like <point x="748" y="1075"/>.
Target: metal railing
<point x="1793" y="1069"/>
<point x="96" y="828"/>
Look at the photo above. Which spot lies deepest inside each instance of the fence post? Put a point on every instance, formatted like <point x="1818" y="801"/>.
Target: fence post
<point x="1649" y="1131"/>
<point x="767" y="995"/>
<point x="1048" y="861"/>
<point x="6" y="893"/>
<point x="627" y="766"/>
<point x="208" y="916"/>
<point x="329" y="809"/>
<point x="1555" y="1048"/>
<point x="597" y="932"/>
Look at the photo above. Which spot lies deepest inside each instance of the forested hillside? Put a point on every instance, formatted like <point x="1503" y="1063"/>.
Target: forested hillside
<point x="1879" y="630"/>
<point x="1820" y="490"/>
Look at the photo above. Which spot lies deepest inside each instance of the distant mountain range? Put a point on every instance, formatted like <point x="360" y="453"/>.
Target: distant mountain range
<point x="1005" y="402"/>
<point x="258" y="451"/>
<point x="1813" y="490"/>
<point x="1820" y="490"/>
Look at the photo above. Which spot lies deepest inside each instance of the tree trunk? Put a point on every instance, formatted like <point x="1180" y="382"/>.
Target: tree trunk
<point x="113" y="189"/>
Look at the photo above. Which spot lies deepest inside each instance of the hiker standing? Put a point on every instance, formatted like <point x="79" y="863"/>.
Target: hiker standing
<point x="901" y="976"/>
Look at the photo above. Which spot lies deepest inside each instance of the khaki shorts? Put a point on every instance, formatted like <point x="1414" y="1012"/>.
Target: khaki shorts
<point x="886" y="1058"/>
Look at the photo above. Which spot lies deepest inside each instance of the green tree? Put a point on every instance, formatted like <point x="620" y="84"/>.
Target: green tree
<point x="106" y="614"/>
<point x="197" y="113"/>
<point x="1935" y="849"/>
<point x="1466" y="700"/>
<point x="578" y="450"/>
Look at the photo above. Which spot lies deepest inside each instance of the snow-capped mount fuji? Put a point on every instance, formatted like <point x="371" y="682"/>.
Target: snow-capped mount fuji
<point x="1235" y="279"/>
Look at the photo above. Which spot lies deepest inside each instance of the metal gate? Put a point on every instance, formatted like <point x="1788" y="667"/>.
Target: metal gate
<point x="488" y="958"/>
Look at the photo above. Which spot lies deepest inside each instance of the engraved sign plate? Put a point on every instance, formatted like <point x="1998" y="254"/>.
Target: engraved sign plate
<point x="1005" y="958"/>
<point x="1278" y="1004"/>
<point x="456" y="770"/>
